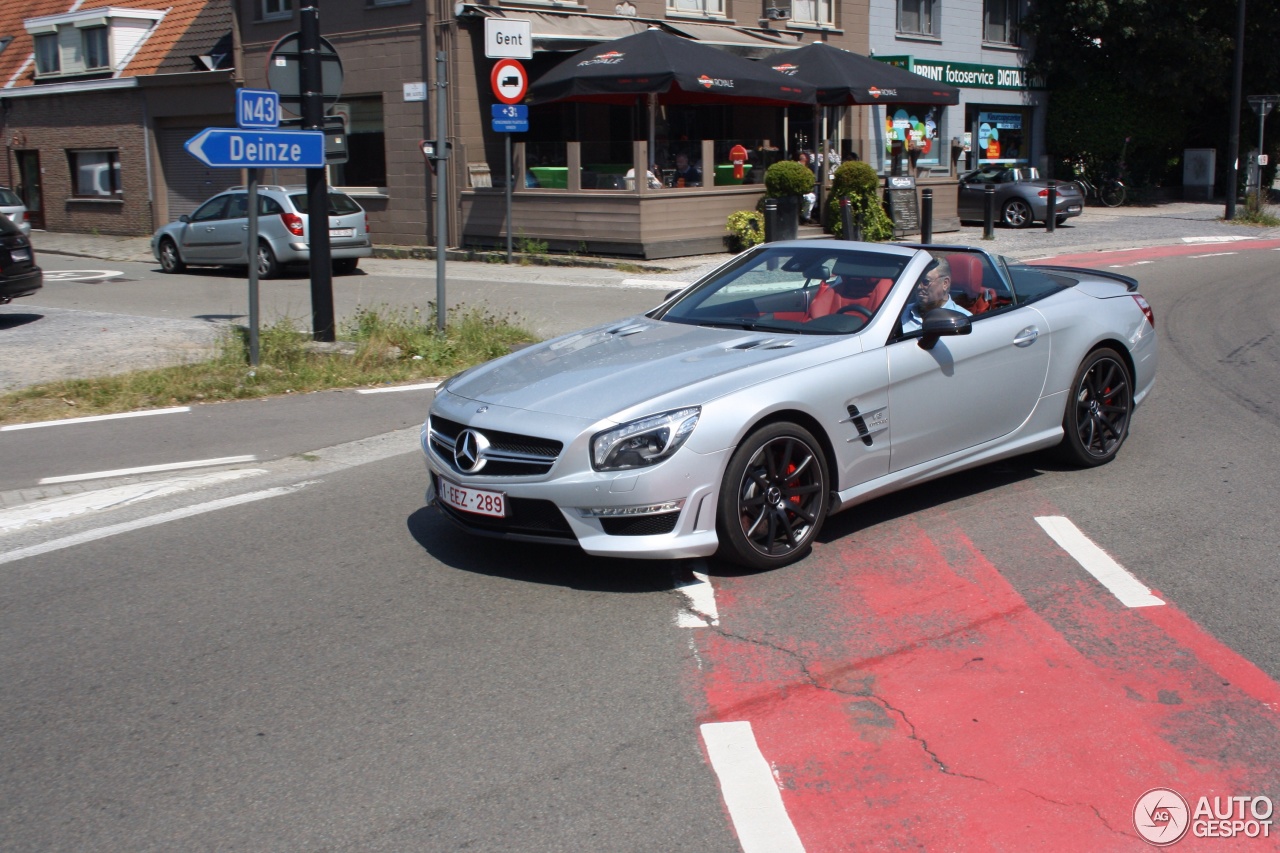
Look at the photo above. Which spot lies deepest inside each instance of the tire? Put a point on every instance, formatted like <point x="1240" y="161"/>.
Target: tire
<point x="268" y="266"/>
<point x="1061" y="220"/>
<point x="1096" y="421"/>
<point x="170" y="261"/>
<point x="1016" y="213"/>
<point x="774" y="497"/>
<point x="345" y="266"/>
<point x="1112" y="194"/>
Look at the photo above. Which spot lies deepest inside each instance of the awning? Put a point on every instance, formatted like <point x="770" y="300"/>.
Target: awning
<point x="560" y="33"/>
<point x="753" y="44"/>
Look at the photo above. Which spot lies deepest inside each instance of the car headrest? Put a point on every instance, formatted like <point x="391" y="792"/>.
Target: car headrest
<point x="966" y="273"/>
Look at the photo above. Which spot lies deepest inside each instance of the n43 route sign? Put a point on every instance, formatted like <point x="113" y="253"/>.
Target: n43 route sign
<point x="257" y="108"/>
<point x="233" y="148"/>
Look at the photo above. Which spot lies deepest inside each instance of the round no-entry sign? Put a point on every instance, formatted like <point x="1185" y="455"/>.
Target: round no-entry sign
<point x="509" y="81"/>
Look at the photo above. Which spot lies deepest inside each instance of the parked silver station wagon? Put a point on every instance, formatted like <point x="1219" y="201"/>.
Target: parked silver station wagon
<point x="217" y="234"/>
<point x="799" y="379"/>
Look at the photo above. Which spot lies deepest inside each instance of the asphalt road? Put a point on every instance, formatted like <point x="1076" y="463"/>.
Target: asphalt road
<point x="305" y="658"/>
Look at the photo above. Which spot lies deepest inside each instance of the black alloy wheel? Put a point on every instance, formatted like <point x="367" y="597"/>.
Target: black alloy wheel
<point x="774" y="497"/>
<point x="1096" y="421"/>
<point x="170" y="260"/>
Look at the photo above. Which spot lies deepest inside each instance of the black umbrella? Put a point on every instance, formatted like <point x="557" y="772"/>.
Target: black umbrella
<point x="842" y="78"/>
<point x="676" y="70"/>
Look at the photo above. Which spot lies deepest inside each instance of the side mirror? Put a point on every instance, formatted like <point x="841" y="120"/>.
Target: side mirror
<point x="184" y="218"/>
<point x="943" y="323"/>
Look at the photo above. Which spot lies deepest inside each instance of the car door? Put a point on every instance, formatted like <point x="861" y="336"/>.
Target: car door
<point x="968" y="389"/>
<point x="229" y="235"/>
<point x="200" y="237"/>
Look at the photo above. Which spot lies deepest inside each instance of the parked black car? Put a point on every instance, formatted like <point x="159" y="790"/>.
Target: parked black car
<point x="19" y="275"/>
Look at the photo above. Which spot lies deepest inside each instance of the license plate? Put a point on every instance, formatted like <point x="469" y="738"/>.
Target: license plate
<point x="468" y="499"/>
<point x="342" y="232"/>
<point x="20" y="254"/>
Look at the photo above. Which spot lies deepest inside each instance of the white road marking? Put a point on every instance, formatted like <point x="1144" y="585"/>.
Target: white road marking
<point x="150" y="521"/>
<point x="1219" y="239"/>
<point x="1134" y="264"/>
<point x="655" y="285"/>
<point x="79" y="275"/>
<point x="423" y="386"/>
<point x="1213" y="255"/>
<point x="147" y="469"/>
<point x="700" y="611"/>
<point x="750" y="791"/>
<point x="56" y="509"/>
<point x="94" y="418"/>
<point x="1131" y="591"/>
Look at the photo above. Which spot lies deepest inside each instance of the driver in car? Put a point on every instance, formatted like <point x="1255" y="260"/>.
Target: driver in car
<point x="932" y="291"/>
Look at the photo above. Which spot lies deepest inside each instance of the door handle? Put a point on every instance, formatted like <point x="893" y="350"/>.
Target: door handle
<point x="1026" y="337"/>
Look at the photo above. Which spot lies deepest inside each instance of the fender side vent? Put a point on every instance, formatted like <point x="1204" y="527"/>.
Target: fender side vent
<point x="860" y="424"/>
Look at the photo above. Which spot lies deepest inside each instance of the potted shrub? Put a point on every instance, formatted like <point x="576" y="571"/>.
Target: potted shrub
<point x="858" y="182"/>
<point x="785" y="182"/>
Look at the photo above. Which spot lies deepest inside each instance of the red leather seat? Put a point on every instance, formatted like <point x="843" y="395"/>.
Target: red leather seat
<point x="966" y="284"/>
<point x="843" y="291"/>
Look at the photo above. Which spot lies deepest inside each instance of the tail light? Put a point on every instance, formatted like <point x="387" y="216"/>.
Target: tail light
<point x="1146" y="308"/>
<point x="366" y="223"/>
<point x="293" y="222"/>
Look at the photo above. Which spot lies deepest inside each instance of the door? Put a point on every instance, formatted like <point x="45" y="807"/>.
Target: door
<point x="29" y="187"/>
<point x="968" y="389"/>
<point x="201" y="238"/>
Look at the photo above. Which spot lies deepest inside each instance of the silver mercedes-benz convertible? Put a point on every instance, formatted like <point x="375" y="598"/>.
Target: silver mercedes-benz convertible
<point x="796" y="380"/>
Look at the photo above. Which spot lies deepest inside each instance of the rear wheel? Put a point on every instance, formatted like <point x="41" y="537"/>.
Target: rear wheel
<point x="1061" y="220"/>
<point x="1096" y="421"/>
<point x="1112" y="194"/>
<point x="1016" y="213"/>
<point x="268" y="266"/>
<point x="774" y="497"/>
<point x="345" y="266"/>
<point x="170" y="260"/>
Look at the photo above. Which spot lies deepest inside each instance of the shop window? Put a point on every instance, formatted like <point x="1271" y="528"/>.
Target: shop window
<point x="275" y="9"/>
<point x="48" y="56"/>
<point x="913" y="133"/>
<point x="696" y="7"/>
<point x="96" y="47"/>
<point x="366" y="164"/>
<point x="917" y="17"/>
<point x="1001" y="137"/>
<point x="95" y="174"/>
<point x="817" y="12"/>
<point x="1001" y="19"/>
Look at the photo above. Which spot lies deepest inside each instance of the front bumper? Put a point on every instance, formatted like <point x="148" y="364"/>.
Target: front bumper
<point x="667" y="511"/>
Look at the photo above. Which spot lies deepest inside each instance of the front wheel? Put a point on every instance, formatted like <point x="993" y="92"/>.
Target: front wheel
<point x="1017" y="213"/>
<point x="268" y="266"/>
<point x="1112" y="194"/>
<point x="774" y="497"/>
<point x="1096" y="421"/>
<point x="170" y="260"/>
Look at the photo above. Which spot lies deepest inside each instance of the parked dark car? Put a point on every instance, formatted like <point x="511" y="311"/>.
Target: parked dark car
<point x="1022" y="196"/>
<point x="19" y="275"/>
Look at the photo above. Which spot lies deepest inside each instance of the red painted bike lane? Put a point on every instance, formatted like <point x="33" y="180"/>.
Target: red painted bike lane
<point x="924" y="702"/>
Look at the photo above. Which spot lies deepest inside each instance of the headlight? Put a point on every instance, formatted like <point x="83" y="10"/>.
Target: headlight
<point x="644" y="442"/>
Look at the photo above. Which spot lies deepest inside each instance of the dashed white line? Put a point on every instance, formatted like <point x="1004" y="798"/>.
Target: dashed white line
<point x="391" y="389"/>
<point x="1115" y="577"/>
<point x="150" y="521"/>
<point x="147" y="469"/>
<point x="1218" y="239"/>
<point x="700" y="611"/>
<point x="1212" y="255"/>
<point x="750" y="790"/>
<point x="174" y="410"/>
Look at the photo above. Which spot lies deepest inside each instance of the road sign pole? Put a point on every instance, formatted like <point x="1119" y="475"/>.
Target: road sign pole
<point x="442" y="184"/>
<point x="510" y="180"/>
<point x="311" y="85"/>
<point x="253" y="268"/>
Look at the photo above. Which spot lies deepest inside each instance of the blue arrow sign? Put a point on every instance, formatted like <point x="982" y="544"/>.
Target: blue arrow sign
<point x="510" y="118"/>
<point x="230" y="148"/>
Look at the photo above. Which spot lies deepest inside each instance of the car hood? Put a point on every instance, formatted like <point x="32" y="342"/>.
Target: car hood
<point x="599" y="372"/>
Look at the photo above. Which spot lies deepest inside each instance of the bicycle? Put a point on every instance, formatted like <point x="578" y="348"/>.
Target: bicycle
<point x="1110" y="191"/>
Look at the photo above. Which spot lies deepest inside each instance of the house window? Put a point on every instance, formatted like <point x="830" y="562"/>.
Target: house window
<point x="95" y="174"/>
<point x="819" y="12"/>
<point x="48" y="58"/>
<point x="917" y="17"/>
<point x="1001" y="19"/>
<point x="696" y="7"/>
<point x="276" y="9"/>
<point x="366" y="164"/>
<point x="95" y="44"/>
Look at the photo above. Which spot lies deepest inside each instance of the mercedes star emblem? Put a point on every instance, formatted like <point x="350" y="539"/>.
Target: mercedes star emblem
<point x="469" y="451"/>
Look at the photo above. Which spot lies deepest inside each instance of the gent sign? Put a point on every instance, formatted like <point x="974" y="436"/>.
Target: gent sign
<point x="506" y="38"/>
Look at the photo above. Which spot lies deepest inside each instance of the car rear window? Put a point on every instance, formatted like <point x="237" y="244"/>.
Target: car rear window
<point x="339" y="204"/>
<point x="1030" y="284"/>
<point x="9" y="198"/>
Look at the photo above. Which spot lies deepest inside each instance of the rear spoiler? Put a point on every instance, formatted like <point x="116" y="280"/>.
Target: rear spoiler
<point x="1128" y="281"/>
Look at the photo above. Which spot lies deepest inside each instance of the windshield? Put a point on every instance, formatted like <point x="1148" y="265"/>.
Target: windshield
<point x="795" y="289"/>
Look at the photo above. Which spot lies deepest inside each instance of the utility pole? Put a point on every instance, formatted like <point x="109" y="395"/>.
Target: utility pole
<point x="322" y="322"/>
<point x="1237" y="94"/>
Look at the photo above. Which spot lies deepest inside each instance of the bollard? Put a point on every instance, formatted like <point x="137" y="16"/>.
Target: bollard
<point x="1051" y="218"/>
<point x="857" y="226"/>
<point x="926" y="216"/>
<point x="989" y="212"/>
<point x="846" y="219"/>
<point x="770" y="220"/>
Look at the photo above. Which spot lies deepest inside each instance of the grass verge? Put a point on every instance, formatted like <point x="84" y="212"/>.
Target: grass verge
<point x="391" y="346"/>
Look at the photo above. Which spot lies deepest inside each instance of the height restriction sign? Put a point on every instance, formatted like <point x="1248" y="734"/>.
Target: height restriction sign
<point x="509" y="81"/>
